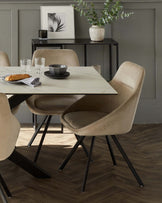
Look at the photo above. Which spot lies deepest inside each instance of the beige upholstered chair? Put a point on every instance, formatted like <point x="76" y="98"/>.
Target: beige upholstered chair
<point x="51" y="104"/>
<point x="104" y="115"/>
<point x="8" y="136"/>
<point x="57" y="56"/>
<point x="4" y="61"/>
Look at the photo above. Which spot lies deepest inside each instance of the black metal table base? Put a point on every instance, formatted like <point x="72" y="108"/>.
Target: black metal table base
<point x="17" y="99"/>
<point x="17" y="158"/>
<point x="28" y="165"/>
<point x="3" y="197"/>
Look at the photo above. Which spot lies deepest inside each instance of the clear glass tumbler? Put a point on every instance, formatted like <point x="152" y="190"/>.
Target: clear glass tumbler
<point x="25" y="65"/>
<point x="39" y="65"/>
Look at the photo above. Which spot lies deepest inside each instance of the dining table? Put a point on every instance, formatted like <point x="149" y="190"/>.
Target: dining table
<point x="81" y="80"/>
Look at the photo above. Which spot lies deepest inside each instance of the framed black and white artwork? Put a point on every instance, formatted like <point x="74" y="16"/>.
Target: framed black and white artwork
<point x="59" y="21"/>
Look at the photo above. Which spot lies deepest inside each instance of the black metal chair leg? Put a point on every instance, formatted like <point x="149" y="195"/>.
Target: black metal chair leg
<point x="34" y="121"/>
<point x="88" y="163"/>
<point x="36" y="132"/>
<point x="5" y="186"/>
<point x="4" y="200"/>
<point x="42" y="139"/>
<point x="71" y="152"/>
<point x="128" y="161"/>
<point x="62" y="128"/>
<point x="110" y="149"/>
<point x="82" y="144"/>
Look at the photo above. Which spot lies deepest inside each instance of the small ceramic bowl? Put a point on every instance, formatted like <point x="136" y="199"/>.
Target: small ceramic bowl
<point x="57" y="69"/>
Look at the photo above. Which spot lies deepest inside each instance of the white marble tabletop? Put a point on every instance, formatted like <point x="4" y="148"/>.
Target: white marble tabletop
<point x="82" y="80"/>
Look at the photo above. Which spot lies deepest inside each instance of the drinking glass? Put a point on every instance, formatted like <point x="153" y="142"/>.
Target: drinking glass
<point x="25" y="65"/>
<point x="39" y="65"/>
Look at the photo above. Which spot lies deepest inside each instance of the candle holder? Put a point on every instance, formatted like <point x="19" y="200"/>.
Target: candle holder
<point x="42" y="34"/>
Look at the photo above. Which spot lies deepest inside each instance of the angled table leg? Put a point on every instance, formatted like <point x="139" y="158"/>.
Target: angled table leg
<point x="17" y="99"/>
<point x="4" y="200"/>
<point x="18" y="158"/>
<point x="28" y="165"/>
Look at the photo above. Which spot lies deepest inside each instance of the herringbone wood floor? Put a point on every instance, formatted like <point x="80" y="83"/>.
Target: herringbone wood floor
<point x="106" y="183"/>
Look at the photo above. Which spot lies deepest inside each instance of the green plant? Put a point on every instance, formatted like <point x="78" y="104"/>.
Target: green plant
<point x="111" y="11"/>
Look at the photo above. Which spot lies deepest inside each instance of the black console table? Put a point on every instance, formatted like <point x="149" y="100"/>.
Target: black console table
<point x="36" y="43"/>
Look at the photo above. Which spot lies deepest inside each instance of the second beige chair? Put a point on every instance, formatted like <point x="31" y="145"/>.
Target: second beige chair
<point x="105" y="115"/>
<point x="51" y="104"/>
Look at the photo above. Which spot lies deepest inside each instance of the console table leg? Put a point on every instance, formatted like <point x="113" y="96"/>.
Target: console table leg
<point x="117" y="56"/>
<point x="85" y="55"/>
<point x="110" y="60"/>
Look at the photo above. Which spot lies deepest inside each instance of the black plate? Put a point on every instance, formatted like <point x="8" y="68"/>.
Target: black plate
<point x="48" y="74"/>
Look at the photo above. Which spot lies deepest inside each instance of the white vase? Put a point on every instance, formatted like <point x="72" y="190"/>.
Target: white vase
<point x="96" y="33"/>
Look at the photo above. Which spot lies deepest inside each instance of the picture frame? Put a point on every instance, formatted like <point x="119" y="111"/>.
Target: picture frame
<point x="59" y="21"/>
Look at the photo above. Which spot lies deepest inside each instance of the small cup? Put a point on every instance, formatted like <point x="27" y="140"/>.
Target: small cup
<point x="42" y="34"/>
<point x="25" y="65"/>
<point x="39" y="64"/>
<point x="57" y="69"/>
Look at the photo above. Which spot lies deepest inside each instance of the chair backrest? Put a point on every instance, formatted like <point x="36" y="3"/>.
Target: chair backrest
<point x="9" y="126"/>
<point x="128" y="82"/>
<point x="57" y="56"/>
<point x="4" y="60"/>
<point x="121" y="108"/>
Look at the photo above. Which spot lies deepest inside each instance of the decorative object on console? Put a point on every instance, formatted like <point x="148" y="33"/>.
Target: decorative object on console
<point x="42" y="34"/>
<point x="111" y="11"/>
<point x="59" y="21"/>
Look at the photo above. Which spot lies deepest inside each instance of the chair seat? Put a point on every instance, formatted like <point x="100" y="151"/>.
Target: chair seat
<point x="80" y="119"/>
<point x="50" y="104"/>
